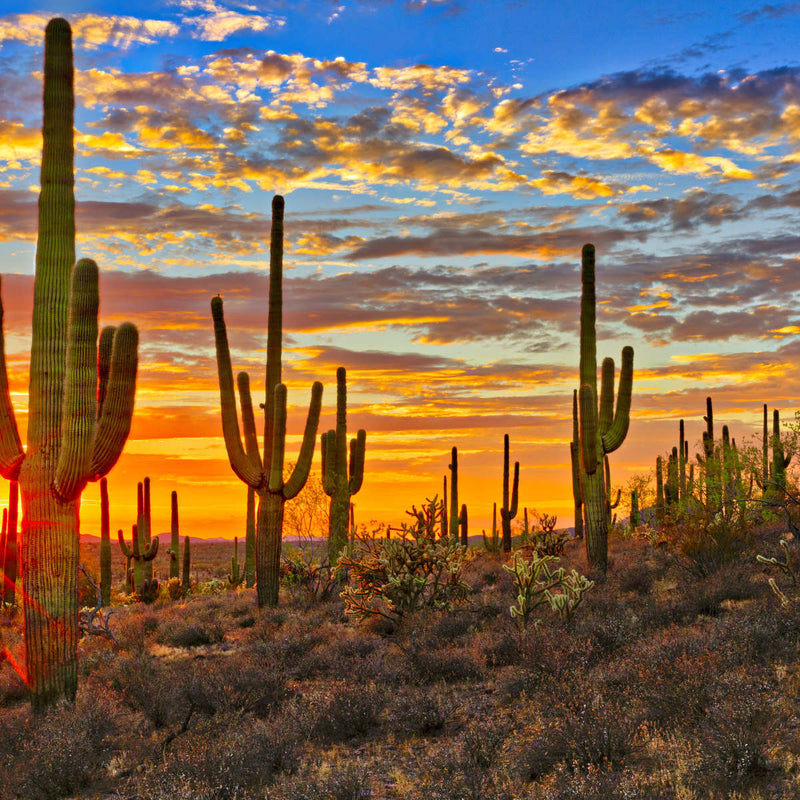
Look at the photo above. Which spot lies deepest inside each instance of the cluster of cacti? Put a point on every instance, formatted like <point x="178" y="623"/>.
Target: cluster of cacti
<point x="80" y="399"/>
<point x="265" y="474"/>
<point x="601" y="428"/>
<point x="493" y="544"/>
<point x="340" y="482"/>
<point x="774" y="471"/>
<point x="509" y="509"/>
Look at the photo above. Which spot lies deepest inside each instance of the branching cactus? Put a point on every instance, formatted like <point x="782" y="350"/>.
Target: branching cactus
<point x="80" y="399"/>
<point x="602" y="428"/>
<point x="265" y="474"/>
<point x="509" y="509"/>
<point x="493" y="543"/>
<point x="339" y="482"/>
<point x="141" y="553"/>
<point x="535" y="582"/>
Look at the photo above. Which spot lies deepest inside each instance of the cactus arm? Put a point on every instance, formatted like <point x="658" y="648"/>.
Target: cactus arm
<point x="606" y="414"/>
<point x="126" y="551"/>
<point x="587" y="407"/>
<point x="11" y="452"/>
<point x="327" y="443"/>
<point x="114" y="425"/>
<point x="358" y="448"/>
<point x="151" y="550"/>
<point x="104" y="349"/>
<point x="297" y="480"/>
<point x="248" y="420"/>
<point x="241" y="464"/>
<point x="616" y="434"/>
<point x="80" y="393"/>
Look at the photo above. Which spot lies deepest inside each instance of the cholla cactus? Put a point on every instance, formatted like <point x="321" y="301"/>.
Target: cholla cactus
<point x="535" y="583"/>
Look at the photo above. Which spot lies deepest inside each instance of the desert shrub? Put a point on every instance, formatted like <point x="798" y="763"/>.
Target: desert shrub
<point x="732" y="737"/>
<point x="419" y="713"/>
<point x="431" y="664"/>
<point x="225" y="758"/>
<point x="174" y="589"/>
<point x="340" y="712"/>
<point x="392" y="577"/>
<point x="150" y="686"/>
<point x="350" y="781"/>
<point x="309" y="580"/>
<point x="703" y="540"/>
<point x="595" y="783"/>
<point x="55" y="754"/>
<point x="177" y="632"/>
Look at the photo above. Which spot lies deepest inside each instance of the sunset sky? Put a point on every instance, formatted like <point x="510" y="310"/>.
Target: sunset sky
<point x="443" y="163"/>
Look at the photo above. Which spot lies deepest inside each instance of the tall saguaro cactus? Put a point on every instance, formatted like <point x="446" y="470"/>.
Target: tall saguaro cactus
<point x="265" y="475"/>
<point x="509" y="509"/>
<point x="105" y="546"/>
<point x="339" y="482"/>
<point x="174" y="537"/>
<point x="602" y="428"/>
<point x="80" y="405"/>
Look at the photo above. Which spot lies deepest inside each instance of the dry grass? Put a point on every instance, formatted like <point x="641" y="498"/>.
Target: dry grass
<point x="664" y="685"/>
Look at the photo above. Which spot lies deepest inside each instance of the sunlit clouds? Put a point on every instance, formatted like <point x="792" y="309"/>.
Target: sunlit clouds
<point x="441" y="173"/>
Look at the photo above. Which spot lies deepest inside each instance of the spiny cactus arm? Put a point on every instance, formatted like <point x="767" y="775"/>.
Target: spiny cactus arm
<point x="240" y="463"/>
<point x="114" y="425"/>
<point x="616" y="434"/>
<point x="104" y="349"/>
<point x="511" y="512"/>
<point x="587" y="406"/>
<point x="606" y="413"/>
<point x="80" y="392"/>
<point x="248" y="420"/>
<point x="151" y="550"/>
<point x="327" y="443"/>
<point x="11" y="452"/>
<point x="297" y="480"/>
<point x="128" y="552"/>
<point x="358" y="447"/>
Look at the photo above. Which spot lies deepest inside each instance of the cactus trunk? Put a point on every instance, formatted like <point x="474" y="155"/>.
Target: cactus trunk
<point x="105" y="546"/>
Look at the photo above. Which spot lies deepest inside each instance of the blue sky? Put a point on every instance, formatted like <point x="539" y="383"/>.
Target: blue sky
<point x="443" y="163"/>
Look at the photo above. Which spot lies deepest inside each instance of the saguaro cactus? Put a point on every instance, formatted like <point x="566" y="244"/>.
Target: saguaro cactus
<point x="10" y="558"/>
<point x="141" y="553"/>
<point x="455" y="517"/>
<point x="105" y="546"/>
<point x="174" y="537"/>
<point x="186" y="582"/>
<point x="509" y="509"/>
<point x="250" y="540"/>
<point x="80" y="406"/>
<point x="236" y="575"/>
<point x="339" y="483"/>
<point x="575" y="461"/>
<point x="265" y="475"/>
<point x="602" y="429"/>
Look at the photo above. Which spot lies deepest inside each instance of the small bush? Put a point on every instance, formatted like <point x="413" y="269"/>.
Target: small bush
<point x="342" y="712"/>
<point x="340" y="782"/>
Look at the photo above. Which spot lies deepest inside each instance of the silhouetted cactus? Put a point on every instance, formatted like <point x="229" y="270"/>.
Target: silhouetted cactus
<point x="79" y="411"/>
<point x="186" y="582"/>
<point x="174" y="538"/>
<point x="492" y="544"/>
<point x="105" y="546"/>
<point x="339" y="482"/>
<point x="464" y="525"/>
<point x="575" y="461"/>
<point x="602" y="428"/>
<point x="509" y="509"/>
<point x="635" y="516"/>
<point x="265" y="475"/>
<point x="236" y="575"/>
<point x="455" y="518"/>
<point x="11" y="560"/>
<point x="250" y="540"/>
